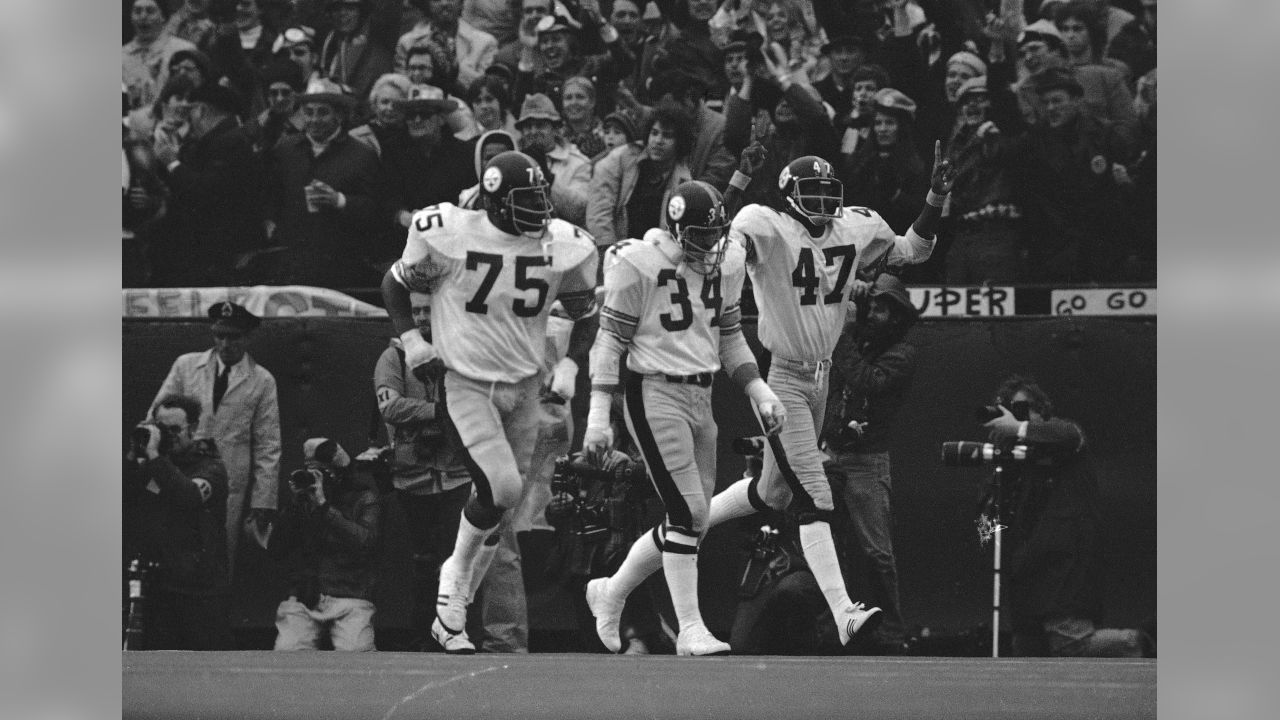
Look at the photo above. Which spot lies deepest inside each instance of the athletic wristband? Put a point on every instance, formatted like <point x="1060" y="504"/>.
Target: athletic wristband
<point x="598" y="415"/>
<point x="759" y="392"/>
<point x="935" y="199"/>
<point x="740" y="180"/>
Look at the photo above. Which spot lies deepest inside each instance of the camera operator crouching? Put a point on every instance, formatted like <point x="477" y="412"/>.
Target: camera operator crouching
<point x="1051" y="508"/>
<point x="327" y="537"/>
<point x="598" y="512"/>
<point x="174" y="522"/>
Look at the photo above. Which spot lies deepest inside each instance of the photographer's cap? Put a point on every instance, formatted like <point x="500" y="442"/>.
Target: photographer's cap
<point x="230" y="315"/>
<point x="893" y="288"/>
<point x="324" y="450"/>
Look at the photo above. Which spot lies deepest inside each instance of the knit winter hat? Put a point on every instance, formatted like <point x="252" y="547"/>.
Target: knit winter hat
<point x="969" y="60"/>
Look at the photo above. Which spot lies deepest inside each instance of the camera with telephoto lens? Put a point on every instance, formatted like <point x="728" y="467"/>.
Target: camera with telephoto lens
<point x="972" y="454"/>
<point x="140" y="437"/>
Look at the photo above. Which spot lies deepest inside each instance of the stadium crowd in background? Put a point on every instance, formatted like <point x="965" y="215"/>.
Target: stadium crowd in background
<point x="1051" y="113"/>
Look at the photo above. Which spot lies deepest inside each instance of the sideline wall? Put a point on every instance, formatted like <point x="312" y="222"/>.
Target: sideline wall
<point x="1099" y="371"/>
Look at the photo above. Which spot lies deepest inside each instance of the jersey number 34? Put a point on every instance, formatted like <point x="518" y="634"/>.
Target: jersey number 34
<point x="673" y="322"/>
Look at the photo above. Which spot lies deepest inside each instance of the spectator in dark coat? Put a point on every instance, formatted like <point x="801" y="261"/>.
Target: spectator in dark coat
<point x="321" y="198"/>
<point x="425" y="164"/>
<point x="215" y="212"/>
<point x="1065" y="174"/>
<point x="283" y="82"/>
<point x="350" y="54"/>
<point x="846" y="54"/>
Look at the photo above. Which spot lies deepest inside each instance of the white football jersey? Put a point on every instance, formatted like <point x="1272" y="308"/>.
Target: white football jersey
<point x="492" y="291"/>
<point x="673" y="316"/>
<point x="802" y="284"/>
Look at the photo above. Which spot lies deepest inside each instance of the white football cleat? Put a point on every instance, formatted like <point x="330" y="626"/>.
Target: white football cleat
<point x="608" y="613"/>
<point x="857" y="617"/>
<point x="698" y="640"/>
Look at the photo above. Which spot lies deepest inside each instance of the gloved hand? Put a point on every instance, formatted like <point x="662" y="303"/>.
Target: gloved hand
<point x="598" y="439"/>
<point x="564" y="379"/>
<point x="768" y="406"/>
<point x="421" y="357"/>
<point x="597" y="443"/>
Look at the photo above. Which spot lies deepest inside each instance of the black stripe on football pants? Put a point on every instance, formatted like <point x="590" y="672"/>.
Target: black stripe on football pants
<point x="789" y="476"/>
<point x="679" y="516"/>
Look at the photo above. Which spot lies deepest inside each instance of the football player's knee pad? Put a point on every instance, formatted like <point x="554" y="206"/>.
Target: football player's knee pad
<point x="481" y="515"/>
<point x="810" y="515"/>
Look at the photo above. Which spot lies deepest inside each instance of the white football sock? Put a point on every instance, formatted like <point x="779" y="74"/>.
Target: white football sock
<point x="820" y="553"/>
<point x="643" y="560"/>
<point x="731" y="503"/>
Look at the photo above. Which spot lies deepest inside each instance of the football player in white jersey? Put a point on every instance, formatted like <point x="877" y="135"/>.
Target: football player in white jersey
<point x="802" y="260"/>
<point x="493" y="275"/>
<point x="672" y="303"/>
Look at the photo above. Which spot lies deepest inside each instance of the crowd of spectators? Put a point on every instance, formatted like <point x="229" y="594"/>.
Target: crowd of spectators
<point x="288" y="142"/>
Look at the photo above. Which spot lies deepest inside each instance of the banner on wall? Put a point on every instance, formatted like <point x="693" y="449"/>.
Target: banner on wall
<point x="261" y="300"/>
<point x="1001" y="301"/>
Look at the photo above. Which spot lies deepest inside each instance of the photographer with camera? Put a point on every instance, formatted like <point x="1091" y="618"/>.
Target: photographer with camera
<point x="432" y="484"/>
<point x="328" y="537"/>
<point x="1051" y="507"/>
<point x="598" y="512"/>
<point x="872" y="368"/>
<point x="173" y="513"/>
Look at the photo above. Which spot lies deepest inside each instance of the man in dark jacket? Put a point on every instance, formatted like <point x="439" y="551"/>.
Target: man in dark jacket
<point x="1064" y="173"/>
<point x="175" y="504"/>
<point x="328" y="537"/>
<point x="871" y="370"/>
<point x="215" y="212"/>
<point x="321" y="197"/>
<point x="1051" y="507"/>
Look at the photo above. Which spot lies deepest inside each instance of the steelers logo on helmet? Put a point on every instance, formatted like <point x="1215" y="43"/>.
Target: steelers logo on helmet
<point x="811" y="189"/>
<point x="703" y="244"/>
<point x="675" y="208"/>
<point x="492" y="179"/>
<point x="515" y="194"/>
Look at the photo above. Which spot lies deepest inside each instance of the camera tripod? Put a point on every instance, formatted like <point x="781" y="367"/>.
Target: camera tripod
<point x="989" y="527"/>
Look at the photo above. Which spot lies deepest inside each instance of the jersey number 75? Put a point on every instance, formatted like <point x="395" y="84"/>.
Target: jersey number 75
<point x="524" y="282"/>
